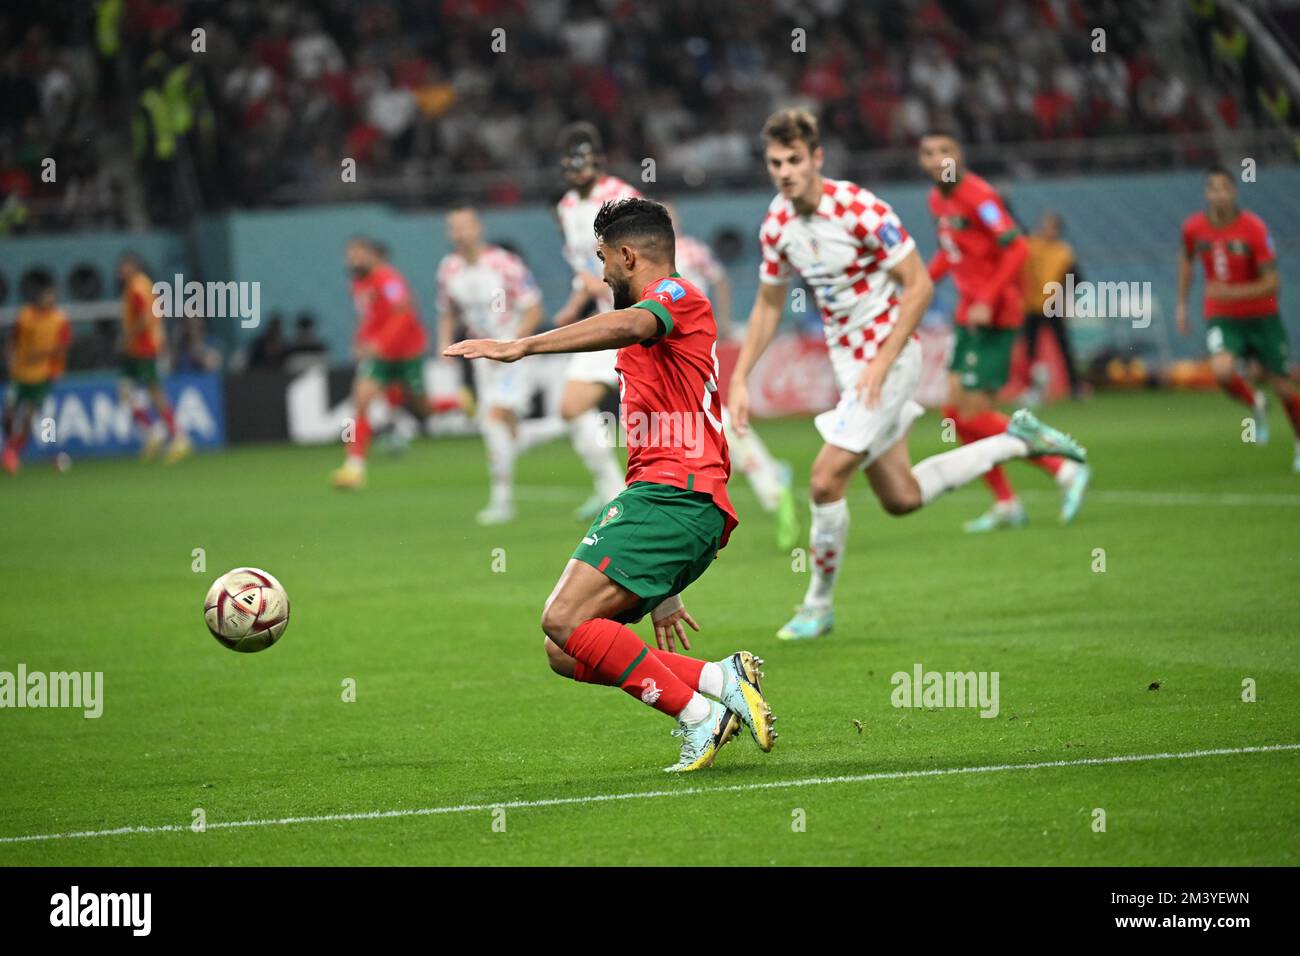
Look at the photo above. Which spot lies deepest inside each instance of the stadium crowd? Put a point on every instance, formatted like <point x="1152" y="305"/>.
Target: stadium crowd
<point x="431" y="90"/>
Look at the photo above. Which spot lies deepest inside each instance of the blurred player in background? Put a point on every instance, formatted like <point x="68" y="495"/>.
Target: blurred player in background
<point x="1241" y="287"/>
<point x="872" y="289"/>
<point x="590" y="376"/>
<point x="665" y="528"/>
<point x="490" y="292"/>
<point x="38" y="351"/>
<point x="390" y="348"/>
<point x="142" y="341"/>
<point x="1050" y="260"/>
<point x="770" y="479"/>
<point x="981" y="246"/>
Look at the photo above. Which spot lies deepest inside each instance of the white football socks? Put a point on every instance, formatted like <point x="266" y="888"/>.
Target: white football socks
<point x="501" y="453"/>
<point x="830" y="532"/>
<point x="595" y="448"/>
<point x="696" y="709"/>
<point x="712" y="680"/>
<point x="952" y="469"/>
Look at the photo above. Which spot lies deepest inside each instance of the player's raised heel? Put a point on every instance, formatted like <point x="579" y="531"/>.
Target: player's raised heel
<point x="1044" y="439"/>
<point x="743" y="695"/>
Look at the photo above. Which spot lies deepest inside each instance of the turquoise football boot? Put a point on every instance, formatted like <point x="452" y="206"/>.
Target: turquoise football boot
<point x="701" y="742"/>
<point x="1044" y="439"/>
<point x="1000" y="516"/>
<point x="743" y="695"/>
<point x="808" y="622"/>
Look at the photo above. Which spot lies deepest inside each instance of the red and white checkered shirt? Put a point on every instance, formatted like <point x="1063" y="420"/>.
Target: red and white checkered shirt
<point x="844" y="251"/>
<point x="490" y="294"/>
<point x="577" y="218"/>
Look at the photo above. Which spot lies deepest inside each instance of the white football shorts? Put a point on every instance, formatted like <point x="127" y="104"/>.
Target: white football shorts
<point x="872" y="431"/>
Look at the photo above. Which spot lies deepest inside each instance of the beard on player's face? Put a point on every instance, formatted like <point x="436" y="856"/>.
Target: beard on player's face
<point x="621" y="286"/>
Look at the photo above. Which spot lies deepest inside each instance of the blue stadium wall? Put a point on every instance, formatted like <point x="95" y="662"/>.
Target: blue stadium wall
<point x="1123" y="227"/>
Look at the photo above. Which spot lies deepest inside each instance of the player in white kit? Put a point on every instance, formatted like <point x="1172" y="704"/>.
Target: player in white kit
<point x="491" y="292"/>
<point x="590" y="375"/>
<point x="770" y="479"/>
<point x="872" y="289"/>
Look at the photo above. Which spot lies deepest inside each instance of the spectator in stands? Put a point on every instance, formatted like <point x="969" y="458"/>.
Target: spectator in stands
<point x="305" y="340"/>
<point x="269" y="349"/>
<point x="197" y="351"/>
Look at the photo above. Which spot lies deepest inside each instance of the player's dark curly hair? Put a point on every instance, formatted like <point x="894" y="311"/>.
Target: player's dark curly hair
<point x="642" y="223"/>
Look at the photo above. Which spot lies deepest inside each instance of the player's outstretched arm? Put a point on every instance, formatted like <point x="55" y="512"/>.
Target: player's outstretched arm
<point x="764" y="317"/>
<point x="609" y="330"/>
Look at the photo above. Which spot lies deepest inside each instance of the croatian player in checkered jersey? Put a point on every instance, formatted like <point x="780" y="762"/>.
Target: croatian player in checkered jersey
<point x="770" y="479"/>
<point x="872" y="289"/>
<point x="490" y="291"/>
<point x="590" y="375"/>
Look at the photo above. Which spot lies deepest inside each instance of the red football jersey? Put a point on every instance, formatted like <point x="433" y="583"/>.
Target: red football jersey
<point x="386" y="309"/>
<point x="669" y="402"/>
<point x="1232" y="253"/>
<point x="974" y="230"/>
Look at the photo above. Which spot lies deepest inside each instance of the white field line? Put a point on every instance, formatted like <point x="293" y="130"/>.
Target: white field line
<point x="653" y="794"/>
<point x="1194" y="499"/>
<point x="1187" y="499"/>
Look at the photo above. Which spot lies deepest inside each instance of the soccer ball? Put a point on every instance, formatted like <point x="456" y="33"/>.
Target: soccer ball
<point x="246" y="610"/>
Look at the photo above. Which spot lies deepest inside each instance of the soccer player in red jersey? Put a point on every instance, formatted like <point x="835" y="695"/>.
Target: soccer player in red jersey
<point x="981" y="246"/>
<point x="1241" y="285"/>
<point x="390" y="345"/>
<point x="661" y="532"/>
<point x="140" y="387"/>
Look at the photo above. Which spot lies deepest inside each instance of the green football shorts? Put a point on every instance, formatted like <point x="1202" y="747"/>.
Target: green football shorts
<point x="140" y="371"/>
<point x="1263" y="338"/>
<point x="409" y="373"/>
<point x="654" y="540"/>
<point x="981" y="357"/>
<point x="30" y="394"/>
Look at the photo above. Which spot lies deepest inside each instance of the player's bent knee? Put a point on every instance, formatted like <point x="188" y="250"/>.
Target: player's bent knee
<point x="901" y="504"/>
<point x="558" y="622"/>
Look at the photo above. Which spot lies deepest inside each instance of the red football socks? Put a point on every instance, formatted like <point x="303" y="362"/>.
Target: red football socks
<point x="609" y="653"/>
<point x="360" y="443"/>
<point x="1291" y="403"/>
<point x="1238" y="389"/>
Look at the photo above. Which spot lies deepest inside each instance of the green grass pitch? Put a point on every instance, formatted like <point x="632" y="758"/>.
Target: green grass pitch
<point x="396" y="589"/>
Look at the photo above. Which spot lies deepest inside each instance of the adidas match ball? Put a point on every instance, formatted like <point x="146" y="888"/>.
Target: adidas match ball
<point x="246" y="610"/>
